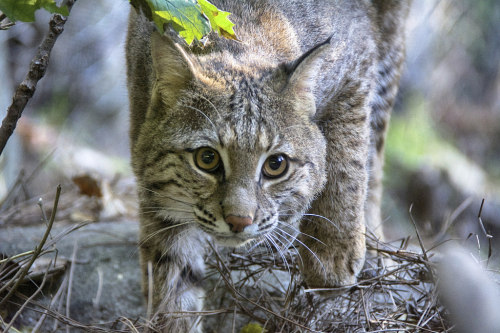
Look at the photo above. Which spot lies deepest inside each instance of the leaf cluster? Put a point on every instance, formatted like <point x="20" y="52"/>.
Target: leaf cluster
<point x="192" y="19"/>
<point x="24" y="10"/>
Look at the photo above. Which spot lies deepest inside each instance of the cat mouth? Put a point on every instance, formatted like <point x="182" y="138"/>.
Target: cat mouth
<point x="233" y="240"/>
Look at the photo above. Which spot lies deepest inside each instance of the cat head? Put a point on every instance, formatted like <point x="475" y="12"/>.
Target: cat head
<point x="230" y="145"/>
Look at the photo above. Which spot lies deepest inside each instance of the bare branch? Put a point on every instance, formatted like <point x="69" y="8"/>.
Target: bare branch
<point x="37" y="70"/>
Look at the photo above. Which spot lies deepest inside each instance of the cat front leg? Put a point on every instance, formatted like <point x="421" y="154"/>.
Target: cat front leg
<point x="175" y="260"/>
<point x="334" y="230"/>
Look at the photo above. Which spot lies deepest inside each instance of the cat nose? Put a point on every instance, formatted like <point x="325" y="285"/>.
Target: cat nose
<point x="238" y="223"/>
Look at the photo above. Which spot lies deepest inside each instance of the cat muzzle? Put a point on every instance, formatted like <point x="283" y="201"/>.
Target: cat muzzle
<point x="238" y="223"/>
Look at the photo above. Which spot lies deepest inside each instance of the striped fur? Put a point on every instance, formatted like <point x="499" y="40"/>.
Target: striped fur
<point x="311" y="80"/>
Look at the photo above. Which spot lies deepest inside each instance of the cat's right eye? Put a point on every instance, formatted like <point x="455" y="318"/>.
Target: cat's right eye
<point x="275" y="166"/>
<point x="207" y="159"/>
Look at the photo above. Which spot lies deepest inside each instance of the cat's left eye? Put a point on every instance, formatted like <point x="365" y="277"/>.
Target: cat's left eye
<point x="207" y="159"/>
<point x="275" y="166"/>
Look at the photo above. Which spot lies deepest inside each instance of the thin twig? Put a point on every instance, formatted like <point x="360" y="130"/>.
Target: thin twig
<point x="129" y="324"/>
<point x="7" y="24"/>
<point x="2" y="323"/>
<point x="97" y="299"/>
<point x="38" y="290"/>
<point x="52" y="302"/>
<point x="70" y="283"/>
<point x="481" y="224"/>
<point x="17" y="256"/>
<point x="38" y="249"/>
<point x="488" y="236"/>
<point x="420" y="242"/>
<point x="237" y="292"/>
<point x="150" y="291"/>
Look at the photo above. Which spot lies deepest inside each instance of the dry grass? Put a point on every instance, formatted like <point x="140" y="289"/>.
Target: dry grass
<point x="399" y="297"/>
<point x="259" y="286"/>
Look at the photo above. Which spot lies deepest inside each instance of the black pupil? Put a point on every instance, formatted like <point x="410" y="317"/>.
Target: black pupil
<point x="275" y="162"/>
<point x="208" y="156"/>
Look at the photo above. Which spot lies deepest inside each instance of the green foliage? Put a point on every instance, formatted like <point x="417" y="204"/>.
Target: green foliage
<point x="183" y="15"/>
<point x="218" y="19"/>
<point x="252" y="328"/>
<point x="192" y="19"/>
<point x="414" y="140"/>
<point x="412" y="137"/>
<point x="24" y="10"/>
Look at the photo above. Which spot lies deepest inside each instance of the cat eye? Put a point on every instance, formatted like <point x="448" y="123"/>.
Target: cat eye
<point x="207" y="159"/>
<point x="275" y="166"/>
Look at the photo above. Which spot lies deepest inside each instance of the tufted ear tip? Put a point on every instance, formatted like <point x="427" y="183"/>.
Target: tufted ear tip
<point x="302" y="70"/>
<point x="298" y="76"/>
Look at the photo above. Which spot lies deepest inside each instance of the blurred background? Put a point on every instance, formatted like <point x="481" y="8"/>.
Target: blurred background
<point x="443" y="148"/>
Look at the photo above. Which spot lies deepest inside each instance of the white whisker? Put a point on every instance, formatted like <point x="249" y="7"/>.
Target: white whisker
<point x="211" y="104"/>
<point x="308" y="249"/>
<point x="278" y="233"/>
<point x="203" y="113"/>
<point x="324" y="218"/>
<point x="159" y="231"/>
<point x="300" y="232"/>
<point x="269" y="249"/>
<point x="163" y="196"/>
<point x="273" y="240"/>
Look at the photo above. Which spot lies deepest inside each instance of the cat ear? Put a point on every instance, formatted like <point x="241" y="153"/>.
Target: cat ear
<point x="173" y="67"/>
<point x="302" y="70"/>
<point x="301" y="73"/>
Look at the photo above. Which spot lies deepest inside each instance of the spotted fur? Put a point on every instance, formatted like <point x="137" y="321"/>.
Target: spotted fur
<point x="313" y="81"/>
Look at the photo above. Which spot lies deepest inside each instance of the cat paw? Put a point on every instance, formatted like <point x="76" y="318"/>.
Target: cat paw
<point x="332" y="270"/>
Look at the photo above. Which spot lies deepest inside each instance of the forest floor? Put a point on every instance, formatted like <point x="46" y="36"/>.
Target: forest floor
<point x="79" y="270"/>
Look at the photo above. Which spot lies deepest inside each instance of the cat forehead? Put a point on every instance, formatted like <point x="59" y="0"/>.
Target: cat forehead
<point x="246" y="134"/>
<point x="246" y="113"/>
<point x="250" y="135"/>
<point x="235" y="128"/>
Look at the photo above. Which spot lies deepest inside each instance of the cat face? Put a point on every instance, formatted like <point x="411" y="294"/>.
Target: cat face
<point x="236" y="155"/>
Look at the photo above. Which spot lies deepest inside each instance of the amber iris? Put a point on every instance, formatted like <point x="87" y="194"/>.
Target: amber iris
<point x="207" y="159"/>
<point x="275" y="166"/>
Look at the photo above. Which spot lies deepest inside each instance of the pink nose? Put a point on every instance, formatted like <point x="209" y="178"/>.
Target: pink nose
<point x="238" y="223"/>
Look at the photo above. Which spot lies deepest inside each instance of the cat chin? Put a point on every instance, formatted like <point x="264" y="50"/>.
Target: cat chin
<point x="237" y="240"/>
<point x="231" y="241"/>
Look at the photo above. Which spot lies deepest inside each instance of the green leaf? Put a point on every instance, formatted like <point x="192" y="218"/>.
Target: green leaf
<point x="184" y="16"/>
<point x="51" y="6"/>
<point x="192" y="19"/>
<point x="252" y="328"/>
<point x="218" y="19"/>
<point x="24" y="10"/>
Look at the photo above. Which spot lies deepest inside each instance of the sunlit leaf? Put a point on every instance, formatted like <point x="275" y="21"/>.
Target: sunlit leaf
<point x="192" y="19"/>
<point x="24" y="10"/>
<point x="184" y="16"/>
<point x="218" y="19"/>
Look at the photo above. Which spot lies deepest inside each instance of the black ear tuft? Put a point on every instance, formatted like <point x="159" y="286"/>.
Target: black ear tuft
<point x="302" y="71"/>
<point x="291" y="67"/>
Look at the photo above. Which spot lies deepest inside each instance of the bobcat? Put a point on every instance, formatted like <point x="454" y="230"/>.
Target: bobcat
<point x="246" y="142"/>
